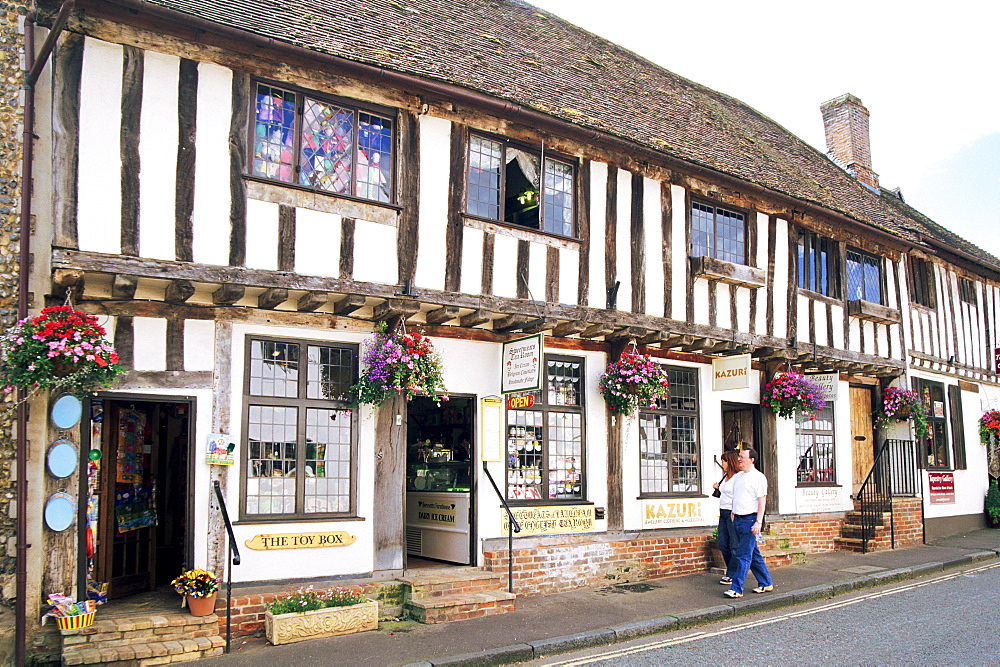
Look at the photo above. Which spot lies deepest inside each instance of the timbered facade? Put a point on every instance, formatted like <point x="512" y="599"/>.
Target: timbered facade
<point x="241" y="196"/>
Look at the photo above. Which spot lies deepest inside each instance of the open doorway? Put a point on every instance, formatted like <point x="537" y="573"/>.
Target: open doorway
<point x="137" y="532"/>
<point x="439" y="480"/>
<point x="741" y="428"/>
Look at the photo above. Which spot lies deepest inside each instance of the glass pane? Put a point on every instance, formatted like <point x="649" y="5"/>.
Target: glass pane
<point x="271" y="452"/>
<point x="684" y="458"/>
<point x="702" y="230"/>
<point x="803" y="266"/>
<point x="327" y="144"/>
<point x="274" y="369"/>
<point x="683" y="390"/>
<point x="483" y="197"/>
<point x="328" y="461"/>
<point x="558" y="213"/>
<point x="730" y="230"/>
<point x="563" y="382"/>
<point x="525" y="467"/>
<point x="274" y="133"/>
<point x="855" y="277"/>
<point x="330" y="372"/>
<point x="565" y="454"/>
<point x="374" y="157"/>
<point x="654" y="453"/>
<point x="814" y="447"/>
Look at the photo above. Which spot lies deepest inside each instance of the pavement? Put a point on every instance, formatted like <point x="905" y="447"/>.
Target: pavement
<point x="544" y="626"/>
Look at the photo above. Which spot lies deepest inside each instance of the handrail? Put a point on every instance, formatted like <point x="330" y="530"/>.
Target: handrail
<point x="892" y="473"/>
<point x="236" y="561"/>
<point x="512" y="524"/>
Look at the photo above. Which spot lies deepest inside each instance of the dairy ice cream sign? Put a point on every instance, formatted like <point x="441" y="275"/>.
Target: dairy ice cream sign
<point x="522" y="364"/>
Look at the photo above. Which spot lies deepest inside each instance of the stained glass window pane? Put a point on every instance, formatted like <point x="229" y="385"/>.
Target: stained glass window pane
<point x="327" y="146"/>
<point x="274" y="133"/>
<point x="374" y="165"/>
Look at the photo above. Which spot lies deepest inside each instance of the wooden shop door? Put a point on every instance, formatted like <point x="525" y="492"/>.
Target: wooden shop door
<point x="862" y="435"/>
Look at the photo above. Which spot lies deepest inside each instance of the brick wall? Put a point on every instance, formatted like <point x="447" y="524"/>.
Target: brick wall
<point x="908" y="520"/>
<point x="814" y="535"/>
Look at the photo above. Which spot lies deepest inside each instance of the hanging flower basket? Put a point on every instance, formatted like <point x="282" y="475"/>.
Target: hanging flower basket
<point x="989" y="426"/>
<point x="635" y="380"/>
<point x="902" y="405"/>
<point x="61" y="349"/>
<point x="789" y="393"/>
<point x="399" y="363"/>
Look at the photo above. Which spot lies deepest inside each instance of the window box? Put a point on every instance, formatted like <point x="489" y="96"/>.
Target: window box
<point x="727" y="272"/>
<point x="873" y="312"/>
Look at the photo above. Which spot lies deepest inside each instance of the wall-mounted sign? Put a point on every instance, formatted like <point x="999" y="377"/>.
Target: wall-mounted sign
<point x="942" y="487"/>
<point x="522" y="365"/>
<point x="66" y="412"/>
<point x="731" y="372"/>
<point x="996" y="360"/>
<point x="551" y="520"/>
<point x="491" y="437"/>
<point x="829" y="383"/>
<point x="60" y="511"/>
<point x="671" y="513"/>
<point x="818" y="499"/>
<point x="220" y="450"/>
<point x="300" y="541"/>
<point x="62" y="459"/>
<point x="939" y="409"/>
<point x="520" y="401"/>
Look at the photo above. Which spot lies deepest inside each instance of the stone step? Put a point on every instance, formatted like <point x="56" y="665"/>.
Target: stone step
<point x="426" y="584"/>
<point x="880" y="542"/>
<point x="854" y="516"/>
<point x="143" y="640"/>
<point x="458" y="607"/>
<point x="778" y="557"/>
<point x="856" y="530"/>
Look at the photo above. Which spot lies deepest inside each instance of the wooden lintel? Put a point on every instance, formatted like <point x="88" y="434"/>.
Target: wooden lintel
<point x="698" y="344"/>
<point x="67" y="277"/>
<point x="178" y="291"/>
<point x="628" y="333"/>
<point x="510" y="323"/>
<point x="722" y="346"/>
<point x="391" y="308"/>
<point x="475" y="318"/>
<point x="568" y="328"/>
<point x="228" y="294"/>
<point x="123" y="286"/>
<point x="442" y="315"/>
<point x="539" y="325"/>
<point x="270" y="298"/>
<point x="676" y="341"/>
<point x="348" y="304"/>
<point x="654" y="338"/>
<point x="597" y="330"/>
<point x="311" y="301"/>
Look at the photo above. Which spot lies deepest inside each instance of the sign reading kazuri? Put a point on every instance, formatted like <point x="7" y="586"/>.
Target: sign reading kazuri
<point x="300" y="541"/>
<point x="552" y="519"/>
<point x="731" y="372"/>
<point x="670" y="513"/>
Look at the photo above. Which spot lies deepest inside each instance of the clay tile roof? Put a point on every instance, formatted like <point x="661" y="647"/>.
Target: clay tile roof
<point x="513" y="51"/>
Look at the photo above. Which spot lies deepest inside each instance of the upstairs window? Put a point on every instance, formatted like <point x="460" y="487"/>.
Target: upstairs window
<point x="967" y="290"/>
<point x="864" y="277"/>
<point x="718" y="233"/>
<point x="817" y="260"/>
<point x="322" y="144"/>
<point x="506" y="183"/>
<point x="922" y="282"/>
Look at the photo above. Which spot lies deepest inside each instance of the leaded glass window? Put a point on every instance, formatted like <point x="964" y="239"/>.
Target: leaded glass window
<point x="669" y="446"/>
<point x="864" y="277"/>
<point x="718" y="232"/>
<point x="816" y="263"/>
<point x="814" y="447"/>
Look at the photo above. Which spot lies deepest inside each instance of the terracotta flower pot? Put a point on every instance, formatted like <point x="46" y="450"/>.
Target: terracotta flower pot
<point x="201" y="606"/>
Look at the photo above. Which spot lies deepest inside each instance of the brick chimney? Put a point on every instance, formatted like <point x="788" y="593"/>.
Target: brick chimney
<point x="845" y="120"/>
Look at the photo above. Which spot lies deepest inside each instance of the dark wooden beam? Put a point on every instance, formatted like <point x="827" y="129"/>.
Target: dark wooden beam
<point x="597" y="330"/>
<point x="228" y="294"/>
<point x="539" y="325"/>
<point x="510" y="323"/>
<point x="311" y="301"/>
<point x="178" y="291"/>
<point x="475" y="318"/>
<point x="698" y="345"/>
<point x="569" y="328"/>
<point x="391" y="308"/>
<point x="348" y="304"/>
<point x="677" y="340"/>
<point x="442" y="315"/>
<point x="268" y="299"/>
<point x="123" y="286"/>
<point x="627" y="334"/>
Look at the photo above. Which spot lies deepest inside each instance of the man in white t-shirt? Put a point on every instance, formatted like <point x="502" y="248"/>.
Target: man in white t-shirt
<point x="749" y="497"/>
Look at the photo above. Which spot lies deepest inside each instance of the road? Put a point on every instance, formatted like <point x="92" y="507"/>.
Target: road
<point x="948" y="619"/>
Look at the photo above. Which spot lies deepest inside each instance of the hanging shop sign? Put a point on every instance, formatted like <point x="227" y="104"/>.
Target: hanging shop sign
<point x="551" y="520"/>
<point x="220" y="450"/>
<point x="491" y="437"/>
<point x="731" y="372"/>
<point x="672" y="513"/>
<point x="828" y="381"/>
<point x="300" y="541"/>
<point x="522" y="365"/>
<point x="942" y="487"/>
<point x="818" y="499"/>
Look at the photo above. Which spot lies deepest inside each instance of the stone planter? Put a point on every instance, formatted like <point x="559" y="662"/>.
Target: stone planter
<point x="329" y="622"/>
<point x="718" y="562"/>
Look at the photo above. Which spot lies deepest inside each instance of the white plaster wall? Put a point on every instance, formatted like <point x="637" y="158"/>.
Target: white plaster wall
<point x="723" y="300"/>
<point x="598" y="198"/>
<point x="210" y="216"/>
<point x="435" y="172"/>
<point x="802" y="314"/>
<point x="375" y="253"/>
<point x="838" y="315"/>
<point x="569" y="275"/>
<point x="853" y="333"/>
<point x="744" y="297"/>
<point x="763" y="222"/>
<point x="653" y="225"/>
<point x="700" y="296"/>
<point x="317" y="243"/>
<point x="99" y="192"/>
<point x="158" y="136"/>
<point x="821" y="329"/>
<point x="262" y="235"/>
<point x="678" y="253"/>
<point x="505" y="266"/>
<point x="199" y="345"/>
<point x="472" y="260"/>
<point x="780" y="286"/>
<point x="624" y="240"/>
<point x="537" y="260"/>
<point x="150" y="334"/>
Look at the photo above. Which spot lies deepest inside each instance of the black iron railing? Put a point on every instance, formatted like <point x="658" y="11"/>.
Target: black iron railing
<point x="894" y="473"/>
<point x="235" y="551"/>
<point x="512" y="527"/>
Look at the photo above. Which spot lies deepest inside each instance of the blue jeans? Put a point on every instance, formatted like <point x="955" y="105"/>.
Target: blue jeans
<point x="727" y="541"/>
<point x="747" y="555"/>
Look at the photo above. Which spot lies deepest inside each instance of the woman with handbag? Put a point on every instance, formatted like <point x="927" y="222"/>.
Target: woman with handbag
<point x="727" y="534"/>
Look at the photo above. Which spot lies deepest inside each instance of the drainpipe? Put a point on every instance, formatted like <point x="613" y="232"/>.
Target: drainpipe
<point x="34" y="65"/>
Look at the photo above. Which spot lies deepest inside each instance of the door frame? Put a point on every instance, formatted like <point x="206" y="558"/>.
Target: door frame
<point x="871" y="436"/>
<point x="86" y="446"/>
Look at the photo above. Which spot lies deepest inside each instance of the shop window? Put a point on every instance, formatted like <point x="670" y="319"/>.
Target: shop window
<point x="668" y="439"/>
<point x="934" y="445"/>
<point x="321" y="144"/>
<point x="814" y="447"/>
<point x="864" y="277"/>
<point x="299" y="444"/>
<point x="719" y="233"/>
<point x="545" y="453"/>
<point x="922" y="282"/>
<point x="816" y="263"/>
<point x="506" y="183"/>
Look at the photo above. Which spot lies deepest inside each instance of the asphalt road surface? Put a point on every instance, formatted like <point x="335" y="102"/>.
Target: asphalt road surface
<point x="948" y="619"/>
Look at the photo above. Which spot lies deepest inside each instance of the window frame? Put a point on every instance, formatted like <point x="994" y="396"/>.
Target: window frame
<point x="967" y="291"/>
<point x="936" y="426"/>
<point x="546" y="409"/>
<point x="668" y="409"/>
<point x="879" y="262"/>
<point x="302" y="404"/>
<point x="805" y="429"/>
<point x="923" y="283"/>
<point x="713" y="250"/>
<point x="810" y="246"/>
<point x="356" y="106"/>
<point x="543" y="155"/>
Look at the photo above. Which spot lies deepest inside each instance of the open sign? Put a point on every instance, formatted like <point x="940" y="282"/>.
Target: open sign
<point x="520" y="402"/>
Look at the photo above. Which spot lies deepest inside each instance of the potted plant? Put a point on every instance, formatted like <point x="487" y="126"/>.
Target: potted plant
<point x="789" y="393"/>
<point x="308" y="614"/>
<point x="61" y="349"/>
<point x="992" y="505"/>
<point x="199" y="588"/>
<point x="399" y="363"/>
<point x="901" y="405"/>
<point x="989" y="426"/>
<point x="718" y="561"/>
<point x="633" y="381"/>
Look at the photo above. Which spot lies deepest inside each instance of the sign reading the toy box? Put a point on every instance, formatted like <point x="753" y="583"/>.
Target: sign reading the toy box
<point x="300" y="541"/>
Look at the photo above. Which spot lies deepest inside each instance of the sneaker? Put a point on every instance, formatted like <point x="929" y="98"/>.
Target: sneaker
<point x="763" y="589"/>
<point x="732" y="594"/>
<point x="725" y="581"/>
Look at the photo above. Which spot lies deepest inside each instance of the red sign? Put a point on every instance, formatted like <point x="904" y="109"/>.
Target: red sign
<point x="520" y="402"/>
<point x="942" y="485"/>
<point x="996" y="360"/>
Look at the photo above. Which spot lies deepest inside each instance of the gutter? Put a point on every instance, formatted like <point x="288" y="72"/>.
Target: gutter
<point x="34" y="64"/>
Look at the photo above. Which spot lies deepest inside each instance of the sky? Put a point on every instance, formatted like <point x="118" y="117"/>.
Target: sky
<point x="928" y="73"/>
